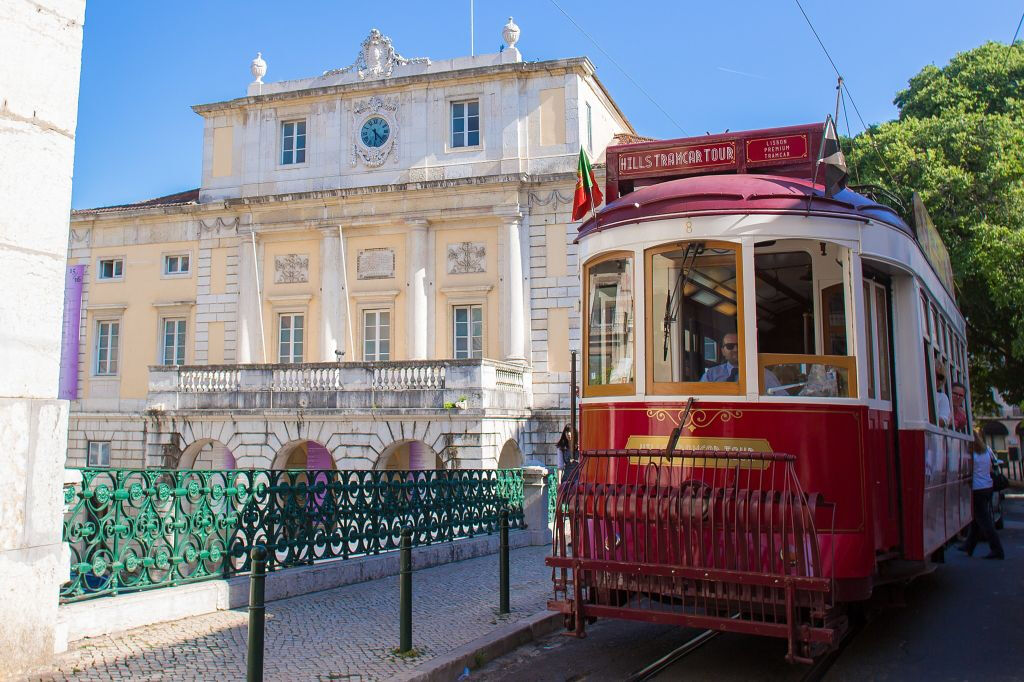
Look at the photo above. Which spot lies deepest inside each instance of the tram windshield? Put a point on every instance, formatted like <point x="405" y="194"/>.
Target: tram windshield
<point x="695" y="307"/>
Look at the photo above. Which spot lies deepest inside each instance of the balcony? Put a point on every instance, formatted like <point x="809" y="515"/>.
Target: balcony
<point x="364" y="386"/>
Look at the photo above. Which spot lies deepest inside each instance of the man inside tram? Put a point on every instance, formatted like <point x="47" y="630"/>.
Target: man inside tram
<point x="730" y="369"/>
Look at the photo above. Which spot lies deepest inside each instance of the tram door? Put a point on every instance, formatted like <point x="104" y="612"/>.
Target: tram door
<point x="882" y="436"/>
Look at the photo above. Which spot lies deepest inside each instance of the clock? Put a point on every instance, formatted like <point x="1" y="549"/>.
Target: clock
<point x="375" y="132"/>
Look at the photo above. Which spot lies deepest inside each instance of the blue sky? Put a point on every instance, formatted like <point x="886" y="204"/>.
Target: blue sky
<point x="732" y="64"/>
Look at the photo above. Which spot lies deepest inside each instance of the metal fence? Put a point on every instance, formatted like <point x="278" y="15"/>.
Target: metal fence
<point x="136" y="529"/>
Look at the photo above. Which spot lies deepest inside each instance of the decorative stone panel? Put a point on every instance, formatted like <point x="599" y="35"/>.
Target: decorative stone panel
<point x="291" y="268"/>
<point x="375" y="264"/>
<point x="467" y="257"/>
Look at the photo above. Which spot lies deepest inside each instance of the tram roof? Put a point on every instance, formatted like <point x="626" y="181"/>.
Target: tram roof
<point x="743" y="193"/>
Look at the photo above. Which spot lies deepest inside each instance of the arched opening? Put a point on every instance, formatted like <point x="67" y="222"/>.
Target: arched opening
<point x="303" y="454"/>
<point x="510" y="457"/>
<point x="208" y="455"/>
<point x="409" y="455"/>
<point x="995" y="434"/>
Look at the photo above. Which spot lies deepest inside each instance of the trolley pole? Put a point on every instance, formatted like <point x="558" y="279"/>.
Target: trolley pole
<point x="405" y="591"/>
<point x="503" y="606"/>
<point x="257" y="613"/>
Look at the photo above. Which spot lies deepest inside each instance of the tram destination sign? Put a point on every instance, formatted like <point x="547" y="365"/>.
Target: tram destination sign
<point x="677" y="158"/>
<point x="777" y="148"/>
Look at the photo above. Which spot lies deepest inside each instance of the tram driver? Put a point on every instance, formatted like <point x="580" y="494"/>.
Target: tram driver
<point x="730" y="370"/>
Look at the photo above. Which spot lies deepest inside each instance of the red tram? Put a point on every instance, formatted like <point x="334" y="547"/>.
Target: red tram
<point x="765" y="416"/>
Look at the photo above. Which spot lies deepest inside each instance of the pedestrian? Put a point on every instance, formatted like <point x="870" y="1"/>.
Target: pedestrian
<point x="564" y="447"/>
<point x="981" y="490"/>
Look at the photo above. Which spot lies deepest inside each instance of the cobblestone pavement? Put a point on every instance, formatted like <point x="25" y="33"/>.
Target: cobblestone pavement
<point x="346" y="633"/>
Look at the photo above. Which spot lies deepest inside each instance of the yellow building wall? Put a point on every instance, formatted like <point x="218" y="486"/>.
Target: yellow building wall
<point x="291" y="297"/>
<point x="143" y="285"/>
<point x="491" y="300"/>
<point x="371" y="294"/>
<point x="552" y="116"/>
<point x="219" y="269"/>
<point x="215" y="354"/>
<point x="222" y="151"/>
<point x="555" y="251"/>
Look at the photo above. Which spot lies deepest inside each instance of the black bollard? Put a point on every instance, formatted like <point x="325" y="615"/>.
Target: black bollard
<point x="405" y="591"/>
<point x="257" y="612"/>
<point x="503" y="562"/>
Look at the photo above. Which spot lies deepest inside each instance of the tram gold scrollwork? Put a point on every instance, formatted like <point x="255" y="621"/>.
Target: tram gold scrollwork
<point x="698" y="419"/>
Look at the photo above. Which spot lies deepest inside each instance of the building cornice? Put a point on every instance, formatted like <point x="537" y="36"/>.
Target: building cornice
<point x="570" y="64"/>
<point x="232" y="206"/>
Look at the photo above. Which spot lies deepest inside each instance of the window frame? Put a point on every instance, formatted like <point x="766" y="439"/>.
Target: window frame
<point x="168" y="257"/>
<point x="450" y="142"/>
<point x="291" y="342"/>
<point x="283" y="136"/>
<point x="116" y="348"/>
<point x="89" y="463"/>
<point x="116" y="277"/>
<point x="605" y="389"/>
<point x="590" y="128"/>
<point x="470" y="307"/>
<point x="182" y="337"/>
<point x="738" y="387"/>
<point x="363" y="312"/>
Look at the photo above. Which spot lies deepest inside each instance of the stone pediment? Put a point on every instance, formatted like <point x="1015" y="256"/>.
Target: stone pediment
<point x="376" y="58"/>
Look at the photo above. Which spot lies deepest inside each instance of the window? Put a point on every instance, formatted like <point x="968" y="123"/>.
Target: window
<point x="468" y="338"/>
<point x="590" y="129"/>
<point x="694" y="307"/>
<point x="466" y="123"/>
<point x="376" y="335"/>
<point x="174" y="342"/>
<point x="290" y="338"/>
<point x="176" y="264"/>
<point x="293" y="142"/>
<point x="99" y="454"/>
<point x="107" y="333"/>
<point x="801" y="347"/>
<point x="609" y="344"/>
<point x="877" y="341"/>
<point x="111" y="268"/>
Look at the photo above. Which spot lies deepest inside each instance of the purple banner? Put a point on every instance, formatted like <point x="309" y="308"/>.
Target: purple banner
<point x="69" y="340"/>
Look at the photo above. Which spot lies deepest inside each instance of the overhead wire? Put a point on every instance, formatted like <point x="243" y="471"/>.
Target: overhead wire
<point x="1017" y="32"/>
<point x="619" y="67"/>
<point x="846" y="88"/>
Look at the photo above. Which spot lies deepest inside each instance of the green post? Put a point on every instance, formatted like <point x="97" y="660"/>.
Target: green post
<point x="405" y="591"/>
<point x="257" y="611"/>
<point x="503" y="562"/>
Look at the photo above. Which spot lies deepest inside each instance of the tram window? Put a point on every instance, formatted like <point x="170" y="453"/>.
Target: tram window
<point x="784" y="288"/>
<point x="833" y="304"/>
<point x="882" y="323"/>
<point x="924" y="316"/>
<point x="929" y="381"/>
<point x="609" y="343"/>
<point x="870" y="338"/>
<point x="694" y="310"/>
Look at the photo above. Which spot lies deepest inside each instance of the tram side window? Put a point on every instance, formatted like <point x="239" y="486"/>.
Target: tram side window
<point x="610" y="323"/>
<point x="694" y="311"/>
<point x="877" y="341"/>
<point x="802" y="346"/>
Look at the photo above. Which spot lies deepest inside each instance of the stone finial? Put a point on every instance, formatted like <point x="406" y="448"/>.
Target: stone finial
<point x="510" y="33"/>
<point x="258" y="68"/>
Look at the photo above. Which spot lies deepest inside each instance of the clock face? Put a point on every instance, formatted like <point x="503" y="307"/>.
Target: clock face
<point x="375" y="132"/>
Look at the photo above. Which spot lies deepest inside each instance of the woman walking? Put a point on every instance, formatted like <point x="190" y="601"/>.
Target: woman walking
<point x="981" y="485"/>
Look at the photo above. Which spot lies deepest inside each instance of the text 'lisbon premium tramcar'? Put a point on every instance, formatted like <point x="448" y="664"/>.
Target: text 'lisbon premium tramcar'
<point x="764" y="422"/>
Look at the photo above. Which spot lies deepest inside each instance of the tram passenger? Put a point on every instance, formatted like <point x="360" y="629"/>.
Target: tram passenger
<point x="959" y="407"/>
<point x="981" y="493"/>
<point x="943" y="410"/>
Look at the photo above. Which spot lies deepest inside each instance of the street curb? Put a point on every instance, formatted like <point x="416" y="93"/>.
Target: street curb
<point x="447" y="667"/>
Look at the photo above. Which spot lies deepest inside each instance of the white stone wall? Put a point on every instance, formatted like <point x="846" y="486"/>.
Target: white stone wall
<point x="126" y="434"/>
<point x="40" y="50"/>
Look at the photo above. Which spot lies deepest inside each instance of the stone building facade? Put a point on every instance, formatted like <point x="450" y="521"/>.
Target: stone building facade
<point x="377" y="270"/>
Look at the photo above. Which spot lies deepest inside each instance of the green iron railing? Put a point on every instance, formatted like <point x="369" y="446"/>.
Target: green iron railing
<point x="136" y="529"/>
<point x="552" y="485"/>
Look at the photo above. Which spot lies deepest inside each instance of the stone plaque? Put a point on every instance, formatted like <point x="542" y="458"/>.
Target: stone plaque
<point x="375" y="264"/>
<point x="467" y="257"/>
<point x="291" y="268"/>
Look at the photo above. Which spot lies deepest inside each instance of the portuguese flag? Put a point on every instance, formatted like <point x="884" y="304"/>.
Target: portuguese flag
<point x="588" y="196"/>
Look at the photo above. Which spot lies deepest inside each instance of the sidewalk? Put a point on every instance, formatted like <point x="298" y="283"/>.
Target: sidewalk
<point x="346" y="633"/>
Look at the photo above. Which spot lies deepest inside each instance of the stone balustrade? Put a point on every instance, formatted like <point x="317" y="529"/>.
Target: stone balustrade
<point x="414" y="384"/>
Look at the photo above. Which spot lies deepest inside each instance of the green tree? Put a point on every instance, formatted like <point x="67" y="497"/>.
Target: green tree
<point x="959" y="142"/>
